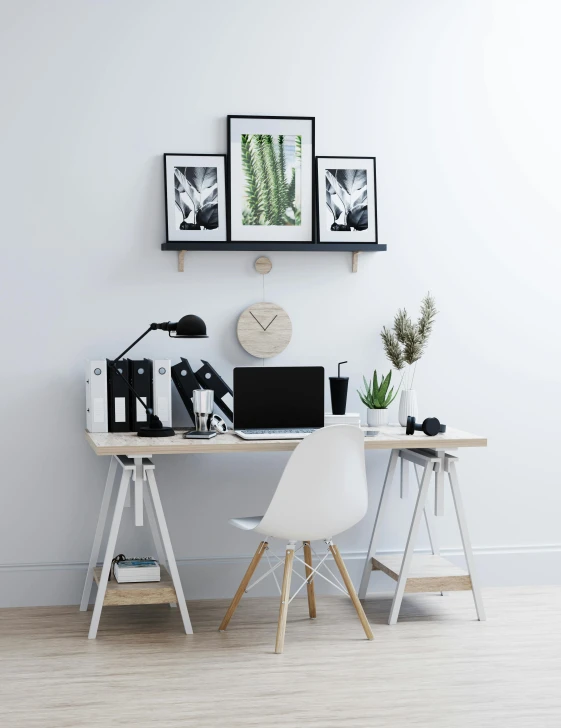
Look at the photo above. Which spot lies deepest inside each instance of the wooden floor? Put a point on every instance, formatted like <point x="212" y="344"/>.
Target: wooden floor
<point x="437" y="667"/>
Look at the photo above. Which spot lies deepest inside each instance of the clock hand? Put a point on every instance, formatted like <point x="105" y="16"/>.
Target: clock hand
<point x="259" y="322"/>
<point x="270" y="322"/>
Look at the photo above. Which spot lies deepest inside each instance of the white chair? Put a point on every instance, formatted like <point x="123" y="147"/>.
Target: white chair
<point x="321" y="493"/>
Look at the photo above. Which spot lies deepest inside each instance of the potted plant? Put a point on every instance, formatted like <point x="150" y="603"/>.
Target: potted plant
<point x="377" y="397"/>
<point x="404" y="346"/>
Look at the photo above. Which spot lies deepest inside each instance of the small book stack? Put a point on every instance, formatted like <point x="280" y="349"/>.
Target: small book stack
<point x="131" y="570"/>
<point x="351" y="418"/>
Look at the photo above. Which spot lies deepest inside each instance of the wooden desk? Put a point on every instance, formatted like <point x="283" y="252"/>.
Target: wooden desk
<point x="390" y="438"/>
<point x="132" y="455"/>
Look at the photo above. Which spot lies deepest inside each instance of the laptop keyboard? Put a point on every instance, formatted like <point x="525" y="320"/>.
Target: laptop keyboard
<point x="285" y="431"/>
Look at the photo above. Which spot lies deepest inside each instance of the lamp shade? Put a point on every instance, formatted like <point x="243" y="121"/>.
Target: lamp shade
<point x="191" y="327"/>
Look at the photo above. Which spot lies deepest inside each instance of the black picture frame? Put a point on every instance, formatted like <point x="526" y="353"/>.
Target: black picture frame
<point x="271" y="245"/>
<point x="200" y="244"/>
<point x="352" y="245"/>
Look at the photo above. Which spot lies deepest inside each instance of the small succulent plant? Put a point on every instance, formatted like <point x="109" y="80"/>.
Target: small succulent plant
<point x="378" y="395"/>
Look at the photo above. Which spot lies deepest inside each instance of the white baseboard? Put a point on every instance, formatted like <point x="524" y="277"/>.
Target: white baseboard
<point x="49" y="584"/>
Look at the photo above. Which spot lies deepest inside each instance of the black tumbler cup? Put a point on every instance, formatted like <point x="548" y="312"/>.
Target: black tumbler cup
<point x="339" y="387"/>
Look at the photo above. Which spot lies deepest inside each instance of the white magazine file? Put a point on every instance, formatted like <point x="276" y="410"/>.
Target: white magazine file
<point x="96" y="395"/>
<point x="162" y="390"/>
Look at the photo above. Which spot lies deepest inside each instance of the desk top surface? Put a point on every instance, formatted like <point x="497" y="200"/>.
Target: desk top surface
<point x="388" y="438"/>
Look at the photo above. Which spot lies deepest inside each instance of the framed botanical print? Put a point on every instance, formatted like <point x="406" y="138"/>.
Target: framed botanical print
<point x="195" y="193"/>
<point x="271" y="162"/>
<point x="346" y="200"/>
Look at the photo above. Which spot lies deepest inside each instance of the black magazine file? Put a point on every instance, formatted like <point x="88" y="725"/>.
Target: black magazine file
<point x="185" y="382"/>
<point x="140" y="377"/>
<point x="119" y="414"/>
<point x="209" y="378"/>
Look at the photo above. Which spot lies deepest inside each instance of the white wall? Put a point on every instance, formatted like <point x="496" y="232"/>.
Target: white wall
<point x="459" y="102"/>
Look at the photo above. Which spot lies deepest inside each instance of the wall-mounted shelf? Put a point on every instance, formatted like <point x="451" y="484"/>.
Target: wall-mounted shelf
<point x="181" y="248"/>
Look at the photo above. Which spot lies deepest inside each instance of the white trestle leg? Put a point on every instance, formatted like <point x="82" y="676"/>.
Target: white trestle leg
<point x="138" y="492"/>
<point x="154" y="529"/>
<point x="450" y="467"/>
<point x="429" y="522"/>
<point x="109" y="551"/>
<point x="101" y="521"/>
<point x="439" y="480"/>
<point x="161" y="520"/>
<point x="404" y="479"/>
<point x="409" y="548"/>
<point x="431" y="527"/>
<point x="384" y="498"/>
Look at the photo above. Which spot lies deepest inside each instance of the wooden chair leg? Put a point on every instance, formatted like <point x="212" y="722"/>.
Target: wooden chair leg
<point x="243" y="585"/>
<point x="350" y="588"/>
<point x="310" y="585"/>
<point x="285" y="596"/>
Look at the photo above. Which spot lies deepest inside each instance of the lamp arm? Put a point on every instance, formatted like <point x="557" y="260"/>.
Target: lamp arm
<point x="134" y="343"/>
<point x="113" y="365"/>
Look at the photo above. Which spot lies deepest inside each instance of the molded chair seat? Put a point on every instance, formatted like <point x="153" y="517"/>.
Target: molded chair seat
<point x="322" y="492"/>
<point x="249" y="523"/>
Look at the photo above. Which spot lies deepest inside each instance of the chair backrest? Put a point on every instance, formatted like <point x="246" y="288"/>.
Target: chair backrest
<point x="323" y="489"/>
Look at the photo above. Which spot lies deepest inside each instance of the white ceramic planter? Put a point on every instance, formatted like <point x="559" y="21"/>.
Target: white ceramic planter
<point x="407" y="406"/>
<point x="376" y="417"/>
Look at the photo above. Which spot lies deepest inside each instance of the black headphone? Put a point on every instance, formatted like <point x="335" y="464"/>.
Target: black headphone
<point x="431" y="426"/>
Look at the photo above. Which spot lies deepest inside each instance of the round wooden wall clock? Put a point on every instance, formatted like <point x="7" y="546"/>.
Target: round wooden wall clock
<point x="264" y="330"/>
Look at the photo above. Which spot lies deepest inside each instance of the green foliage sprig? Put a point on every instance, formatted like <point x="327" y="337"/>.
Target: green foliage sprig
<point x="251" y="184"/>
<point x="378" y="395"/>
<point x="406" y="343"/>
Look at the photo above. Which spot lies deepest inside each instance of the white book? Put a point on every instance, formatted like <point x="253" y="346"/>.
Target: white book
<point x="135" y="578"/>
<point x="137" y="570"/>
<point x="350" y="418"/>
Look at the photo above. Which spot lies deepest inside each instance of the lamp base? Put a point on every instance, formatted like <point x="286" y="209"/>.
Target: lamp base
<point x="156" y="432"/>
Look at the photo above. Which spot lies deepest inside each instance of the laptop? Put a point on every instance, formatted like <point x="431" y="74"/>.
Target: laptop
<point x="278" y="403"/>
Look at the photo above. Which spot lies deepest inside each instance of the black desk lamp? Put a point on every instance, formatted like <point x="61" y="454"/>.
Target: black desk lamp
<point x="189" y="327"/>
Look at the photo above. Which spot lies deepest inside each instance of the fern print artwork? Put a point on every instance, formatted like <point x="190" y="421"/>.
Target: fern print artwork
<point x="272" y="170"/>
<point x="346" y="192"/>
<point x="271" y="180"/>
<point x="196" y="198"/>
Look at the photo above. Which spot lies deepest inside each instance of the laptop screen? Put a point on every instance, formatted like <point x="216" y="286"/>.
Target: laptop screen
<point x="275" y="397"/>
